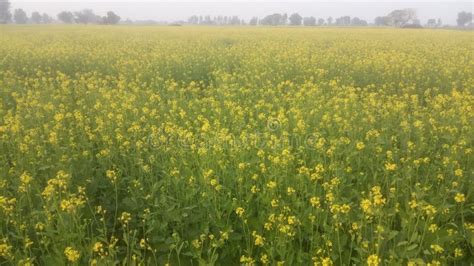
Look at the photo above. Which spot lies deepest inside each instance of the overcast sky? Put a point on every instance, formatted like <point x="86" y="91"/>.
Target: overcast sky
<point x="173" y="10"/>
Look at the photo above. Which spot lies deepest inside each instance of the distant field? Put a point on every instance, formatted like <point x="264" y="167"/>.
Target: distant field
<point x="210" y="145"/>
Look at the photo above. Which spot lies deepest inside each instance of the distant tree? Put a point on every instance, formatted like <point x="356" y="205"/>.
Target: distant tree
<point x="439" y="23"/>
<point x="343" y="21"/>
<point x="464" y="18"/>
<point x="329" y="20"/>
<point x="253" y="21"/>
<point x="416" y="22"/>
<point x="46" y="18"/>
<point x="431" y="23"/>
<point x="234" y="20"/>
<point x="358" y="22"/>
<point x="193" y="19"/>
<point x="401" y="17"/>
<point x="86" y="16"/>
<point x="295" y="19"/>
<point x="219" y="20"/>
<point x="382" y="21"/>
<point x="346" y="20"/>
<point x="274" y="19"/>
<point x="268" y="20"/>
<point x="5" y="15"/>
<point x="36" y="17"/>
<point x="20" y="16"/>
<point x="207" y="20"/>
<point x="66" y="17"/>
<point x="355" y="21"/>
<point x="320" y="21"/>
<point x="226" y="20"/>
<point x="309" y="21"/>
<point x="111" y="18"/>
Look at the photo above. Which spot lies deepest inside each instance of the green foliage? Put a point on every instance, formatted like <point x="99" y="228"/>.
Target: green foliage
<point x="208" y="146"/>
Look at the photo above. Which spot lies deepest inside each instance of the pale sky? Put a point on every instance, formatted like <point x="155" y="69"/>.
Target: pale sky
<point x="173" y="10"/>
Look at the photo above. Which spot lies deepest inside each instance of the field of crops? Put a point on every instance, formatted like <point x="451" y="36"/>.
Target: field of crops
<point x="202" y="146"/>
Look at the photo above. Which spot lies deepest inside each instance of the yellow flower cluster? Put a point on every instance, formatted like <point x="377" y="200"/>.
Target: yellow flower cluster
<point x="240" y="211"/>
<point x="71" y="254"/>
<point x="373" y="260"/>
<point x="374" y="201"/>
<point x="56" y="185"/>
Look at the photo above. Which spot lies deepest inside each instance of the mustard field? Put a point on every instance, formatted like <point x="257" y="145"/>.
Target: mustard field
<point x="236" y="146"/>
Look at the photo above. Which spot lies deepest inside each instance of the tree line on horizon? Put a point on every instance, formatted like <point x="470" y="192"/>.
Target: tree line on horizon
<point x="86" y="16"/>
<point x="396" y="18"/>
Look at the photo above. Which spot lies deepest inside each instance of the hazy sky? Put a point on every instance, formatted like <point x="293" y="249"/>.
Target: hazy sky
<point x="180" y="10"/>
